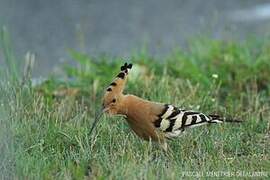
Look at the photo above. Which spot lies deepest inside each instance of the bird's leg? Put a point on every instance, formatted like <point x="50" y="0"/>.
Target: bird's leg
<point x="159" y="150"/>
<point x="164" y="146"/>
<point x="166" y="149"/>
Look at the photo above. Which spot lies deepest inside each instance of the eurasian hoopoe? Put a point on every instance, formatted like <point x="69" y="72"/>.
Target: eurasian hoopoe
<point x="151" y="120"/>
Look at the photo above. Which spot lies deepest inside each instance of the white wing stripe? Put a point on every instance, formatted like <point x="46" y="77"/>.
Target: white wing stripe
<point x="164" y="124"/>
<point x="168" y="112"/>
<point x="178" y="121"/>
<point x="189" y="120"/>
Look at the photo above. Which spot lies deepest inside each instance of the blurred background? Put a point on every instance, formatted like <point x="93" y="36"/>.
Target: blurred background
<point x="119" y="28"/>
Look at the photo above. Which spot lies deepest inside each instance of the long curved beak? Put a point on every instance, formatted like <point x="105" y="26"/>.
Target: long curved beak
<point x="97" y="118"/>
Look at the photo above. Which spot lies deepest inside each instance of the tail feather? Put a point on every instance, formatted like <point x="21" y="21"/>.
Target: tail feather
<point x="219" y="119"/>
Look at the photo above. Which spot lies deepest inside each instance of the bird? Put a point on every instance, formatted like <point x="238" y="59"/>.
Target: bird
<point x="151" y="121"/>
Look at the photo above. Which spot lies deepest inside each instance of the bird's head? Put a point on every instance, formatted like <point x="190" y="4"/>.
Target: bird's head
<point x="113" y="99"/>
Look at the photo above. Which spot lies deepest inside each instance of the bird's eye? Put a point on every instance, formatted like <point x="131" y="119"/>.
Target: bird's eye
<point x="114" y="100"/>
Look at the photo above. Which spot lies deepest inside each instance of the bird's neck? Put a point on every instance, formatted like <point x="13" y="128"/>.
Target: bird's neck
<point x="136" y="107"/>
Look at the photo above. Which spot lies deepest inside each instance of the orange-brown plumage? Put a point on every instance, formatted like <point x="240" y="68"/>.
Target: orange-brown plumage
<point x="151" y="120"/>
<point x="140" y="114"/>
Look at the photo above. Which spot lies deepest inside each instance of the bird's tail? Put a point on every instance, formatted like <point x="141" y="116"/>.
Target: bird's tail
<point x="219" y="119"/>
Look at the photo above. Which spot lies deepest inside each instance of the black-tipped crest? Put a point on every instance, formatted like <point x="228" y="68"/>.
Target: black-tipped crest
<point x="126" y="66"/>
<point x="118" y="84"/>
<point x="121" y="75"/>
<point x="129" y="66"/>
<point x="124" y="70"/>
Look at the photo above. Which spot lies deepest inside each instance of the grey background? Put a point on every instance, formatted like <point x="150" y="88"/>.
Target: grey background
<point x="118" y="28"/>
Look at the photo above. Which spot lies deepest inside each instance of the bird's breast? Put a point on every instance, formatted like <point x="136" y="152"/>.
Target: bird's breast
<point x="144" y="129"/>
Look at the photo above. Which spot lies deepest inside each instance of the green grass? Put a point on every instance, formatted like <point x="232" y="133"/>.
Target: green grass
<point x="45" y="134"/>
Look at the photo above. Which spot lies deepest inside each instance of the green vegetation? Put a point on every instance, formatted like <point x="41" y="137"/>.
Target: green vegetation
<point x="44" y="129"/>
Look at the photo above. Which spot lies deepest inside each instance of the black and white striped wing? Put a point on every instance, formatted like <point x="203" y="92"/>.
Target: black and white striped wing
<point x="172" y="121"/>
